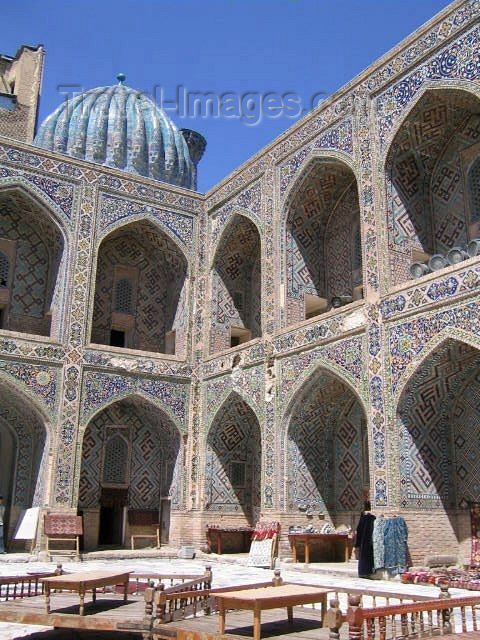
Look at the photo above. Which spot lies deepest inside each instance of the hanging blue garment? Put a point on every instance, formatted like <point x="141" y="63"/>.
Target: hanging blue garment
<point x="395" y="541"/>
<point x="378" y="543"/>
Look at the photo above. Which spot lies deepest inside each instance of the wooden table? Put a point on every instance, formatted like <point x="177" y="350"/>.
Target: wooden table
<point x="305" y="538"/>
<point x="83" y="582"/>
<point x="256" y="600"/>
<point x="217" y="532"/>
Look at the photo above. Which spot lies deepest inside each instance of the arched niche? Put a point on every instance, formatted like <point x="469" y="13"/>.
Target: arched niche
<point x="322" y="240"/>
<point x="23" y="454"/>
<point x="326" y="445"/>
<point x="438" y="445"/>
<point x="141" y="291"/>
<point x="431" y="181"/>
<point x="233" y="461"/>
<point x="32" y="252"/>
<point x="236" y="286"/>
<point x="131" y="460"/>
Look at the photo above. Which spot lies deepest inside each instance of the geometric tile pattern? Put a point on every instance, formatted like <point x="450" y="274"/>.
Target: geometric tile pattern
<point x="327" y="478"/>
<point x="18" y="417"/>
<point x="428" y="208"/>
<point x="160" y="289"/>
<point x="233" y="440"/>
<point x="438" y="426"/>
<point x="236" y="283"/>
<point x="379" y="349"/>
<point x="320" y="242"/>
<point x="150" y="454"/>
<point x="38" y="251"/>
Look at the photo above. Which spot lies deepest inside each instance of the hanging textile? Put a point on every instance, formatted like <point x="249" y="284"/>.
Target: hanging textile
<point x="379" y="543"/>
<point x="395" y="541"/>
<point x="475" y="528"/>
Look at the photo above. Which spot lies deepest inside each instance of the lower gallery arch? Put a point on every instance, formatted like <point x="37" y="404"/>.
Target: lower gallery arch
<point x="439" y="446"/>
<point x="131" y="472"/>
<point x="326" y="470"/>
<point x="23" y="456"/>
<point x="233" y="464"/>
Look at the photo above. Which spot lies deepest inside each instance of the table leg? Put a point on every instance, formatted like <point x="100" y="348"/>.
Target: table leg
<point x="94" y="595"/>
<point x="294" y="550"/>
<point x="346" y="551"/>
<point x="221" y="617"/>
<point x="219" y="543"/>
<point x="307" y="552"/>
<point x="125" y="591"/>
<point x="257" y="612"/>
<point x="81" y="593"/>
<point x="47" y="597"/>
<point x="290" y="614"/>
<point x="324" y="608"/>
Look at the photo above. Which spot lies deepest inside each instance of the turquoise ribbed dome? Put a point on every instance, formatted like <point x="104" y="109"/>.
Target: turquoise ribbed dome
<point x="123" y="128"/>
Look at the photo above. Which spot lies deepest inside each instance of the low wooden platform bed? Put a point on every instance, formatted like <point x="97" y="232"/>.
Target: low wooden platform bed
<point x="179" y="606"/>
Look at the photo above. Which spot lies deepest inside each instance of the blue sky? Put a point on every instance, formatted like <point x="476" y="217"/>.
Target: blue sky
<point x="267" y="48"/>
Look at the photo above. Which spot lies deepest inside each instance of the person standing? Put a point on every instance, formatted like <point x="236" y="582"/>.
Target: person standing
<point x="364" y="543"/>
<point x="2" y="520"/>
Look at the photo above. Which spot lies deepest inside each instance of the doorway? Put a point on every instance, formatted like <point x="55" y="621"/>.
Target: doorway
<point x="111" y="528"/>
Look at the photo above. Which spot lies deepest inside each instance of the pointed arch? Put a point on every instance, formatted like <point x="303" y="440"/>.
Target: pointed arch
<point x="456" y="84"/>
<point x="153" y="262"/>
<point x="333" y="477"/>
<point x="426" y="187"/>
<point x="132" y="456"/>
<point x="226" y="398"/>
<point x="39" y="198"/>
<point x="131" y="394"/>
<point x="35" y="238"/>
<point x="236" y="284"/>
<point x="305" y="167"/>
<point x="436" y="422"/>
<point x="25" y="438"/>
<point x="224" y="232"/>
<point x="135" y="219"/>
<point x="233" y="460"/>
<point x="442" y="337"/>
<point x="320" y="261"/>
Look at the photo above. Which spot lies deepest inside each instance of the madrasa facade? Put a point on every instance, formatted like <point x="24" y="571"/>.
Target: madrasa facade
<point x="303" y="337"/>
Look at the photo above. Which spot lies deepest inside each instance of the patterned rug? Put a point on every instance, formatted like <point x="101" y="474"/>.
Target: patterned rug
<point x="475" y="524"/>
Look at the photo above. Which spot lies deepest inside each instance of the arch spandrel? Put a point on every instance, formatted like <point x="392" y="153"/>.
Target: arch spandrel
<point x="307" y="165"/>
<point x="228" y="396"/>
<point x="39" y="383"/>
<point x="423" y="352"/>
<point x="130" y="223"/>
<point x="220" y="229"/>
<point x="181" y="233"/>
<point x="429" y="86"/>
<point x="39" y="198"/>
<point x="103" y="390"/>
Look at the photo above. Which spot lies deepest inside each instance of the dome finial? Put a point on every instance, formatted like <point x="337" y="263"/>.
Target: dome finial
<point x="121" y="78"/>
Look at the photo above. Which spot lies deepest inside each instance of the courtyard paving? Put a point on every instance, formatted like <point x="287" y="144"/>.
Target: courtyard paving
<point x="227" y="570"/>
